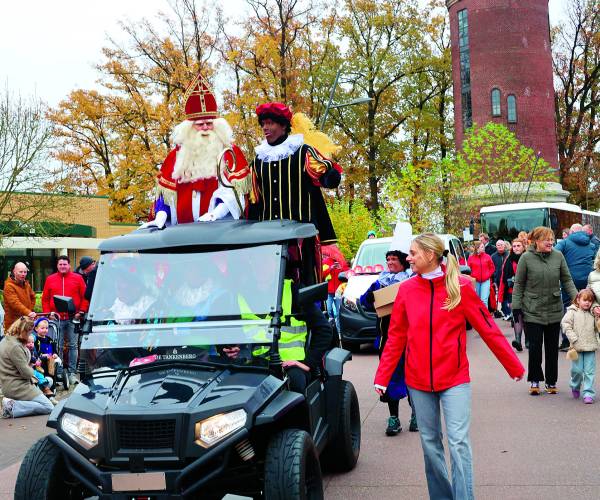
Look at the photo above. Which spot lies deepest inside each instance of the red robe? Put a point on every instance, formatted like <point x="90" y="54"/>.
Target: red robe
<point x="182" y="193"/>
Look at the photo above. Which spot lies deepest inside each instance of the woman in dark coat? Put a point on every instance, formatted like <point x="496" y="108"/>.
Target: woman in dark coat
<point x="507" y="282"/>
<point x="541" y="273"/>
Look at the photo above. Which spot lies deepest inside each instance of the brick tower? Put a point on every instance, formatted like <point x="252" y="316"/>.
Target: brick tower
<point x="502" y="69"/>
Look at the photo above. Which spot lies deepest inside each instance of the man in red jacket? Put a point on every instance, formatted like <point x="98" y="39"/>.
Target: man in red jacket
<point x="65" y="282"/>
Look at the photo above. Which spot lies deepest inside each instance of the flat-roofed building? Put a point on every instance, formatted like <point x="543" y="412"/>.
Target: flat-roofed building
<point x="74" y="225"/>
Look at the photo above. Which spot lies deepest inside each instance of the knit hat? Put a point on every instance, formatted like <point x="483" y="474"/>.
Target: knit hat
<point x="85" y="262"/>
<point x="39" y="320"/>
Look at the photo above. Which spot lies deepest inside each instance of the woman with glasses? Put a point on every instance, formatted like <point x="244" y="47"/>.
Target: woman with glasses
<point x="541" y="273"/>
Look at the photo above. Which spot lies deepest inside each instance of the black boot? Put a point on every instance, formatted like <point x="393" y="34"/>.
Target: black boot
<point x="517" y="342"/>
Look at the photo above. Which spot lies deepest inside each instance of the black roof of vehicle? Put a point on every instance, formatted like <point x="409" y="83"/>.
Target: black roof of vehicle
<point x="217" y="233"/>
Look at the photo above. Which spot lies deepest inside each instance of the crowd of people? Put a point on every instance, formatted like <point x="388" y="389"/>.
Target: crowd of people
<point x="36" y="344"/>
<point x="542" y="289"/>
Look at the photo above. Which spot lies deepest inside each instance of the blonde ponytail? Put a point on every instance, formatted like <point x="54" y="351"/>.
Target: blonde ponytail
<point x="452" y="283"/>
<point x="433" y="243"/>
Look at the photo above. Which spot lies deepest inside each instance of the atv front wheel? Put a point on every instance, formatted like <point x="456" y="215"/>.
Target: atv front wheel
<point x="292" y="470"/>
<point x="342" y="452"/>
<point x="44" y="476"/>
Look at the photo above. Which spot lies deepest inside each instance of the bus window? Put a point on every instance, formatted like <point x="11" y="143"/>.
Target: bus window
<point x="564" y="219"/>
<point x="506" y="225"/>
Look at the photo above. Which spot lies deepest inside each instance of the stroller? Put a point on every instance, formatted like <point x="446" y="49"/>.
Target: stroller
<point x="59" y="376"/>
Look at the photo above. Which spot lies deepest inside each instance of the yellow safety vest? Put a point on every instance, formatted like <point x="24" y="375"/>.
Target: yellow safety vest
<point x="293" y="331"/>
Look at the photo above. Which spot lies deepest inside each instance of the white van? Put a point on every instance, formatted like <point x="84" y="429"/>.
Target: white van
<point x="357" y="325"/>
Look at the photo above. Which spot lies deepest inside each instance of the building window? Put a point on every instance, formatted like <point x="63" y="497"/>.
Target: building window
<point x="511" y="108"/>
<point x="465" y="69"/>
<point x="496" y="103"/>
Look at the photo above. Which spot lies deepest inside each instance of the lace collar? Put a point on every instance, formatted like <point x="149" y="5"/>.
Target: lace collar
<point x="265" y="152"/>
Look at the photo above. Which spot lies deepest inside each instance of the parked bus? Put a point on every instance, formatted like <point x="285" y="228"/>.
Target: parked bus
<point x="506" y="221"/>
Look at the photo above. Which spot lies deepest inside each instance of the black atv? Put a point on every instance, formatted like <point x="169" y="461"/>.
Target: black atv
<point x="183" y="393"/>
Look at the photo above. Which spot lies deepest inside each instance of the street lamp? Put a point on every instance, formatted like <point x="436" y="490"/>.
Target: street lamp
<point x="548" y="171"/>
<point x="358" y="100"/>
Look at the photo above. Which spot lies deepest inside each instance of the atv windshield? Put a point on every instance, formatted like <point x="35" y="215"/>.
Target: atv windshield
<point x="212" y="306"/>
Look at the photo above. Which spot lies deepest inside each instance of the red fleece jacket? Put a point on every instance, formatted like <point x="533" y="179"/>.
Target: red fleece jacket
<point x="71" y="285"/>
<point x="482" y="267"/>
<point x="435" y="339"/>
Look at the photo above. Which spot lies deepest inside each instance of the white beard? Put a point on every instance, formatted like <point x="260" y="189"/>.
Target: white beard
<point x="198" y="154"/>
<point x="189" y="297"/>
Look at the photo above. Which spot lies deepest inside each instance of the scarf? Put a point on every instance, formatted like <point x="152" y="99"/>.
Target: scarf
<point x="386" y="278"/>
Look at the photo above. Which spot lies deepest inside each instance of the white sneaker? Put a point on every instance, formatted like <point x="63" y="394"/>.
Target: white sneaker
<point x="7" y="407"/>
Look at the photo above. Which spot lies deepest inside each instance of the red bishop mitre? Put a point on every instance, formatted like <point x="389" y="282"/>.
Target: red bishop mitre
<point x="199" y="99"/>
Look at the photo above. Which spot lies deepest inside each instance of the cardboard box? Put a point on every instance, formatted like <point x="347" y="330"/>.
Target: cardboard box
<point x="384" y="299"/>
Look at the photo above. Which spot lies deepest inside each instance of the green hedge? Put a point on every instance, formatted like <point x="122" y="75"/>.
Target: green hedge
<point x="38" y="301"/>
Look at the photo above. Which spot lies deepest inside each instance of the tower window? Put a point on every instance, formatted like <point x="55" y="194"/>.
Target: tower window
<point x="511" y="108"/>
<point x="465" y="69"/>
<point x="496" y="102"/>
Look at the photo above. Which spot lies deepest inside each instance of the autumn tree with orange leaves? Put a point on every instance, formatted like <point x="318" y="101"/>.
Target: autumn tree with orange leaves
<point x="114" y="140"/>
<point x="576" y="57"/>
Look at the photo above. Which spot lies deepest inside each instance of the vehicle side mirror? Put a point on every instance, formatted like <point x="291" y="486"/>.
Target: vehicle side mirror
<point x="464" y="270"/>
<point x="311" y="294"/>
<point x="64" y="304"/>
<point x="343" y="277"/>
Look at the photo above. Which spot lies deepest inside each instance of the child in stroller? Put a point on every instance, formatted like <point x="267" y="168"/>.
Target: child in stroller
<point x="44" y="383"/>
<point x="46" y="348"/>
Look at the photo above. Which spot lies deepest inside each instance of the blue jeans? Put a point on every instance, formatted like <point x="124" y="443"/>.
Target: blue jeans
<point x="68" y="335"/>
<point x="40" y="405"/>
<point x="583" y="372"/>
<point x="338" y="304"/>
<point x="483" y="291"/>
<point x="456" y="405"/>
<point x="332" y="309"/>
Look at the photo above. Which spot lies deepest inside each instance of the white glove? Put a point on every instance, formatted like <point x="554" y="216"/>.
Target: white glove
<point x="159" y="221"/>
<point x="218" y="212"/>
<point x="207" y="217"/>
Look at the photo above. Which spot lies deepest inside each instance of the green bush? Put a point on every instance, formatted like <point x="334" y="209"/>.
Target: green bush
<point x="351" y="224"/>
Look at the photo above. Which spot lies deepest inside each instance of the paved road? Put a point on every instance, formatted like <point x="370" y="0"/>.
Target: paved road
<point x="524" y="447"/>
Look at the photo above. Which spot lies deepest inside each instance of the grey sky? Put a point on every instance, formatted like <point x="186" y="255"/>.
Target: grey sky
<point x="49" y="48"/>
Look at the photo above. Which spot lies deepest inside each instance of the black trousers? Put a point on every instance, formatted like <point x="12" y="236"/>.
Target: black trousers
<point x="548" y="336"/>
<point x="299" y="379"/>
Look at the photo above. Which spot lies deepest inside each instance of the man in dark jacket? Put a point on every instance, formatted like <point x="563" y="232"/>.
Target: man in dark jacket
<point x="579" y="254"/>
<point x="487" y="246"/>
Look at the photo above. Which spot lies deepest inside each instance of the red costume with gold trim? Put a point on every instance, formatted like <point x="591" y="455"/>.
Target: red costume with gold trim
<point x="186" y="196"/>
<point x="182" y="194"/>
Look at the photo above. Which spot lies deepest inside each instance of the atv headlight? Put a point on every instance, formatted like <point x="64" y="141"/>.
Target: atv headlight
<point x="215" y="428"/>
<point x="80" y="429"/>
<point x="350" y="304"/>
